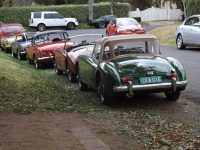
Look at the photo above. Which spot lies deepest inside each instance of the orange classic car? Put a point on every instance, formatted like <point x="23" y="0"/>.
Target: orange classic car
<point x="43" y="45"/>
<point x="66" y="59"/>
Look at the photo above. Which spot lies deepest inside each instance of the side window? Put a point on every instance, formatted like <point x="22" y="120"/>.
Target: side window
<point x="187" y="21"/>
<point x="96" y="52"/>
<point x="192" y="21"/>
<point x="56" y="16"/>
<point x="196" y="20"/>
<point x="113" y="22"/>
<point x="47" y="16"/>
<point x="37" y="15"/>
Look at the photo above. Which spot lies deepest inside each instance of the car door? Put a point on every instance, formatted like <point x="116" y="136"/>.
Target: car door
<point x="111" y="28"/>
<point x="33" y="48"/>
<point x="195" y="31"/>
<point x="48" y="19"/>
<point x="91" y="64"/>
<point x="60" y="59"/>
<point x="58" y="19"/>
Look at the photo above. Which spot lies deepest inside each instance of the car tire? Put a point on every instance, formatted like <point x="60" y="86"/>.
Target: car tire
<point x="13" y="54"/>
<point x="5" y="50"/>
<point x="101" y="24"/>
<point x="41" y="27"/>
<point x="29" y="61"/>
<point x="71" y="26"/>
<point x="37" y="64"/>
<point x="71" y="77"/>
<point x="179" y="42"/>
<point x="19" y="55"/>
<point x="107" y="34"/>
<point x="82" y="86"/>
<point x="172" y="96"/>
<point x="58" y="71"/>
<point x="104" y="99"/>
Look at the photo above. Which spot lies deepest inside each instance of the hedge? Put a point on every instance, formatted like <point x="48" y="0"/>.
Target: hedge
<point x="22" y="14"/>
<point x="193" y="8"/>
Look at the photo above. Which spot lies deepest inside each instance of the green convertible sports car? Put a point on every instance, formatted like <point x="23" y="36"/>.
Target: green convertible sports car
<point x="130" y="64"/>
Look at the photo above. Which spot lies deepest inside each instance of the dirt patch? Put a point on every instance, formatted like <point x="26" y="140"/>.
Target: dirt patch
<point x="47" y="130"/>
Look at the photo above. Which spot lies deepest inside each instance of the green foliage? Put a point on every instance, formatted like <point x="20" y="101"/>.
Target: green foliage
<point x="22" y="14"/>
<point x="138" y="19"/>
<point x="193" y="8"/>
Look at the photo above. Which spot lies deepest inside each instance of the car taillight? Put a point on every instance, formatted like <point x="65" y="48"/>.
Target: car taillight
<point x="31" y="20"/>
<point x="172" y="75"/>
<point x="127" y="79"/>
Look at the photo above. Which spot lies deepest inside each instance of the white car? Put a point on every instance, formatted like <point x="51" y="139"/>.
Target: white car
<point x="47" y="19"/>
<point x="188" y="33"/>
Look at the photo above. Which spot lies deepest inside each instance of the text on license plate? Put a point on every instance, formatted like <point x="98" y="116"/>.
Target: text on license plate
<point x="150" y="80"/>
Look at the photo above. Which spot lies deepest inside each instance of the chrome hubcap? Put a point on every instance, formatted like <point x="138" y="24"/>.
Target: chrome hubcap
<point x="179" y="41"/>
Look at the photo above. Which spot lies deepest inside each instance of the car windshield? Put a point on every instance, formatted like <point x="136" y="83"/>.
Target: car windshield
<point x="12" y="28"/>
<point x="118" y="49"/>
<point x="50" y="37"/>
<point x="126" y="22"/>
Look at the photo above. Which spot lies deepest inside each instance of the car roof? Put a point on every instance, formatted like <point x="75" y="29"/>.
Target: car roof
<point x="127" y="38"/>
<point x="194" y="16"/>
<point x="45" y="12"/>
<point x="124" y="18"/>
<point x="50" y="31"/>
<point x="10" y="24"/>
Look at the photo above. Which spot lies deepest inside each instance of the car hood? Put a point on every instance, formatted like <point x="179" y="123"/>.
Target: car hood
<point x="130" y="27"/>
<point x="137" y="66"/>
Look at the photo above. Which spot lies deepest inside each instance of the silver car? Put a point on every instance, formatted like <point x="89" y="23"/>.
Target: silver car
<point x="188" y="33"/>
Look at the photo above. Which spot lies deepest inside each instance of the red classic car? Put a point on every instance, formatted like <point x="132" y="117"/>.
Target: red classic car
<point x="10" y="28"/>
<point x="66" y="59"/>
<point x="119" y="26"/>
<point x="43" y="46"/>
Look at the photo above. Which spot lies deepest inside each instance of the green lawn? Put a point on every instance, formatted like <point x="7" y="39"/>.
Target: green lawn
<point x="140" y="122"/>
<point x="24" y="89"/>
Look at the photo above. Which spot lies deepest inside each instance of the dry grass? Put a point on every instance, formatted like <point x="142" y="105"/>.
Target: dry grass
<point x="166" y="34"/>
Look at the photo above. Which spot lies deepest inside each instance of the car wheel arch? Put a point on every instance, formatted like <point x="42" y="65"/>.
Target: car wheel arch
<point x="70" y="27"/>
<point x="178" y="67"/>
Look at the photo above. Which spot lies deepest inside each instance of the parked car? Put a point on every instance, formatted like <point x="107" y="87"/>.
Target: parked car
<point x="18" y="48"/>
<point x="101" y="22"/>
<point x="12" y="28"/>
<point x="128" y="65"/>
<point x="7" y="41"/>
<point x="43" y="44"/>
<point x="188" y="33"/>
<point x="121" y="26"/>
<point x="47" y="19"/>
<point x="66" y="59"/>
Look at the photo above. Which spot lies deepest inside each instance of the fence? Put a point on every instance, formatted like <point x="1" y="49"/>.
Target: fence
<point x="153" y="14"/>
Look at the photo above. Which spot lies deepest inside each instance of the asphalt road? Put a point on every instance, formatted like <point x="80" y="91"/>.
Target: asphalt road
<point x="189" y="58"/>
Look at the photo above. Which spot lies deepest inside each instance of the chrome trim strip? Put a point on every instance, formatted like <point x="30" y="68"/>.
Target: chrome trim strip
<point x="125" y="88"/>
<point x="46" y="58"/>
<point x="23" y="52"/>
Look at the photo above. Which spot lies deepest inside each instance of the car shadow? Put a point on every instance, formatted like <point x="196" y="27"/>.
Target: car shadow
<point x="191" y="48"/>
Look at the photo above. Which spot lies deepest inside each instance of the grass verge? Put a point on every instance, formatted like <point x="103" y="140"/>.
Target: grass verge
<point x="24" y="89"/>
<point x="166" y="34"/>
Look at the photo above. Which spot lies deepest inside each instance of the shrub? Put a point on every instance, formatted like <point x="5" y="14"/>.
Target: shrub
<point x="22" y="14"/>
<point x="193" y="8"/>
<point x="138" y="19"/>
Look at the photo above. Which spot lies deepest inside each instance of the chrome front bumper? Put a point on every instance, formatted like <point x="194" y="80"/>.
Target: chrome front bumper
<point x="130" y="88"/>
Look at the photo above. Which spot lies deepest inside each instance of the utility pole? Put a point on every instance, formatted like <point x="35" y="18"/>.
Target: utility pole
<point x="90" y="9"/>
<point x="111" y="7"/>
<point x="186" y="4"/>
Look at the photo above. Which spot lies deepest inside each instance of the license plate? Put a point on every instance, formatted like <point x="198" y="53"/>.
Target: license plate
<point x="150" y="80"/>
